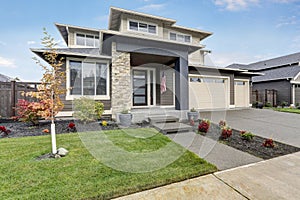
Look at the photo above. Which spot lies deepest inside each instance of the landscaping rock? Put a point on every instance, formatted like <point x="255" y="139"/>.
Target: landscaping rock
<point x="62" y="152"/>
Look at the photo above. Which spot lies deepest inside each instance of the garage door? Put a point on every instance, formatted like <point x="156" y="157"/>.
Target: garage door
<point x="208" y="92"/>
<point x="241" y="93"/>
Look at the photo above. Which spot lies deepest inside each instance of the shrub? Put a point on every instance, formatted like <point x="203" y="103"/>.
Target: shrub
<point x="269" y="143"/>
<point x="87" y="109"/>
<point x="4" y="130"/>
<point x="246" y="135"/>
<point x="222" y="123"/>
<point x="204" y="125"/>
<point x="46" y="131"/>
<point x="268" y="104"/>
<point x="284" y="103"/>
<point x="226" y="132"/>
<point x="125" y="111"/>
<point x="193" y="110"/>
<point x="104" y="123"/>
<point x="30" y="111"/>
<point x="71" y="127"/>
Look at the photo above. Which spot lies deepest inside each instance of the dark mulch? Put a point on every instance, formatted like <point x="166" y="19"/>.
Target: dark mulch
<point x="253" y="147"/>
<point x="21" y="129"/>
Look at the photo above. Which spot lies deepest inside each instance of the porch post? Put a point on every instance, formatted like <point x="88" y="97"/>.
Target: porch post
<point x="181" y="84"/>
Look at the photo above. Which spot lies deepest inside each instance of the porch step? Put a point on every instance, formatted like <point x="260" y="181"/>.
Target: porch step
<point x="163" y="119"/>
<point x="172" y="127"/>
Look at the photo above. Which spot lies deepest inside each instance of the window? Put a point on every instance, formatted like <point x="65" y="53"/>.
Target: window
<point x="239" y="82"/>
<point x="142" y="27"/>
<point x="207" y="80"/>
<point x="180" y="37"/>
<point x="88" y="78"/>
<point x="87" y="40"/>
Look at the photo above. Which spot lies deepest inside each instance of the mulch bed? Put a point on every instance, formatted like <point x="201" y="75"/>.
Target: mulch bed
<point x="254" y="147"/>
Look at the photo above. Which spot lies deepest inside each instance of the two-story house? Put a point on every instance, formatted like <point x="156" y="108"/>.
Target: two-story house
<point x="145" y="61"/>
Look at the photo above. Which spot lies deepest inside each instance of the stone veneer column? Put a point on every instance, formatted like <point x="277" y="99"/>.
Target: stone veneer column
<point x="121" y="96"/>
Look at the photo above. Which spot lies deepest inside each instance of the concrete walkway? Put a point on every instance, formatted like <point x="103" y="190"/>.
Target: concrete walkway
<point x="277" y="178"/>
<point x="223" y="156"/>
<point x="283" y="127"/>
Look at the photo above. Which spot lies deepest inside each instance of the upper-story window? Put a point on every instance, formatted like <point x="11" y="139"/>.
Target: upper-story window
<point x="180" y="37"/>
<point x="87" y="40"/>
<point x="142" y="27"/>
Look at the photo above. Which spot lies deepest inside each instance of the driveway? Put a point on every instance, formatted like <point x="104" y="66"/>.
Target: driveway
<point x="280" y="126"/>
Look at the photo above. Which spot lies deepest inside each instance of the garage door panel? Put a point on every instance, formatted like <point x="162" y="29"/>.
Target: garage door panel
<point x="241" y="96"/>
<point x="208" y="95"/>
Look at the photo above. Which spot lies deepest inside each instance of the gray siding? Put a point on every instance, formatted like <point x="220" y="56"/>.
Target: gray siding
<point x="283" y="88"/>
<point x="297" y="94"/>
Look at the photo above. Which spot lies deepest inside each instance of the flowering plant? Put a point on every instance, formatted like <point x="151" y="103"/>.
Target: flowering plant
<point x="4" y="130"/>
<point x="192" y="122"/>
<point x="46" y="130"/>
<point x="226" y="132"/>
<point x="269" y="143"/>
<point x="222" y="123"/>
<point x="104" y="123"/>
<point x="71" y="127"/>
<point x="204" y="125"/>
<point x="246" y="135"/>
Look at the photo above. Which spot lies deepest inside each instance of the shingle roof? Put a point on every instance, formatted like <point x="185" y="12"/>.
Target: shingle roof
<point x="278" y="73"/>
<point x="274" y="62"/>
<point x="4" y="78"/>
<point x="237" y="66"/>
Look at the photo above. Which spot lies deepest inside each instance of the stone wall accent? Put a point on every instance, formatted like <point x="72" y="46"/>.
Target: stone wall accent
<point x="121" y="97"/>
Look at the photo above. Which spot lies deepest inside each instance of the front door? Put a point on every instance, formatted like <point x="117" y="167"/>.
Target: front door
<point x="143" y="85"/>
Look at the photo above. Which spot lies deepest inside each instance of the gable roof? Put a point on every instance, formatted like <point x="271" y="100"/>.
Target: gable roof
<point x="280" y="73"/>
<point x="4" y="78"/>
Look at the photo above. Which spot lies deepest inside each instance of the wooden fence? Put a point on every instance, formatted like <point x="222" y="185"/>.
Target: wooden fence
<point x="265" y="96"/>
<point x="10" y="92"/>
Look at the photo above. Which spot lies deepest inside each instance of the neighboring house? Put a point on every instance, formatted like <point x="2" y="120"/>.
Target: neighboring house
<point x="281" y="74"/>
<point x="124" y="66"/>
<point x="4" y="78"/>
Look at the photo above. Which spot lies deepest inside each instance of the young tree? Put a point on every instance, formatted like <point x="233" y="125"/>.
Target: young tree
<point x="52" y="84"/>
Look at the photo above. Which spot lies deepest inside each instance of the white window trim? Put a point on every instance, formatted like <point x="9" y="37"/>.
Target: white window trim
<point x="179" y="33"/>
<point x="84" y="46"/>
<point x="95" y="97"/>
<point x="138" y="31"/>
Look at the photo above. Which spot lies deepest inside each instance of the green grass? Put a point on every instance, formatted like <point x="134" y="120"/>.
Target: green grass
<point x="290" y="110"/>
<point x="80" y="175"/>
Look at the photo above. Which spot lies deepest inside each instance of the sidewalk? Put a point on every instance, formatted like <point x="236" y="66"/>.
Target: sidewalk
<point x="277" y="178"/>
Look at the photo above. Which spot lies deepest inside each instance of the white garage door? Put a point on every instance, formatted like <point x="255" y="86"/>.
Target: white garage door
<point x="241" y="93"/>
<point x="208" y="92"/>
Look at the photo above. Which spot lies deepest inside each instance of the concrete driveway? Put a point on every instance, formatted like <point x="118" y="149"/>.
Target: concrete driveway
<point x="280" y="126"/>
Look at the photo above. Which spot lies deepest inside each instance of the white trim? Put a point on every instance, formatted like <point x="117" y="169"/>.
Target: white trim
<point x="179" y="33"/>
<point x="231" y="106"/>
<point x="293" y="95"/>
<point x="217" y="77"/>
<point x="143" y="22"/>
<point x="297" y="76"/>
<point x="95" y="97"/>
<point x="148" y="69"/>
<point x="70" y="113"/>
<point x="85" y="34"/>
<point x="295" y="82"/>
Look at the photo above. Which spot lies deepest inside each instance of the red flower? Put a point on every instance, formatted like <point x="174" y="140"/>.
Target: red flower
<point x="226" y="133"/>
<point x="268" y="143"/>
<point x="203" y="127"/>
<point x="46" y="130"/>
<point x="4" y="130"/>
<point x="71" y="125"/>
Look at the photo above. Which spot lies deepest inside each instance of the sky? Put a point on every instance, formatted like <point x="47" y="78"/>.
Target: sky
<point x="244" y="31"/>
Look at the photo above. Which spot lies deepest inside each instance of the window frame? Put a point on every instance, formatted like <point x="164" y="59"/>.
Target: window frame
<point x="68" y="79"/>
<point x="138" y="27"/>
<point x="85" y="37"/>
<point x="181" y="34"/>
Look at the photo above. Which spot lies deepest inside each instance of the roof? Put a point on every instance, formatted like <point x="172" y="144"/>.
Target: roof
<point x="278" y="73"/>
<point x="115" y="18"/>
<point x="63" y="29"/>
<point x="237" y="66"/>
<point x="4" y="78"/>
<point x="272" y="63"/>
<point x="240" y="71"/>
<point x="86" y="52"/>
<point x="115" y="13"/>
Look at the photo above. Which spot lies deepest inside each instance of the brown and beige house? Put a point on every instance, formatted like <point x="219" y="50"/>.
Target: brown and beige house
<point x="146" y="61"/>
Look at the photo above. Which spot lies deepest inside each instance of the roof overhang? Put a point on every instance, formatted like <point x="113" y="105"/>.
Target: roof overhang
<point x="239" y="71"/>
<point x="115" y="14"/>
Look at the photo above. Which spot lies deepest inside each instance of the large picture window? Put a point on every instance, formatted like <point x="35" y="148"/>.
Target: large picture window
<point x="88" y="78"/>
<point x="87" y="40"/>
<point x="142" y="27"/>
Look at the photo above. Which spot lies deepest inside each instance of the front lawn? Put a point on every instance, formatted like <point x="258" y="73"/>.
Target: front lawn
<point x="80" y="175"/>
<point x="290" y="110"/>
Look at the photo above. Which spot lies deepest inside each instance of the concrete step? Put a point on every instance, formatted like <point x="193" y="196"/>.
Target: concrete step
<point x="162" y="119"/>
<point x="172" y="127"/>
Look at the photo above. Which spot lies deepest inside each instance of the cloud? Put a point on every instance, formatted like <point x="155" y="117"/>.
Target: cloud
<point x="235" y="5"/>
<point x="2" y="43"/>
<point x="5" y="62"/>
<point x="102" y="18"/>
<point x="286" y="21"/>
<point x="152" y="7"/>
<point x="285" y="1"/>
<point x="31" y="42"/>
